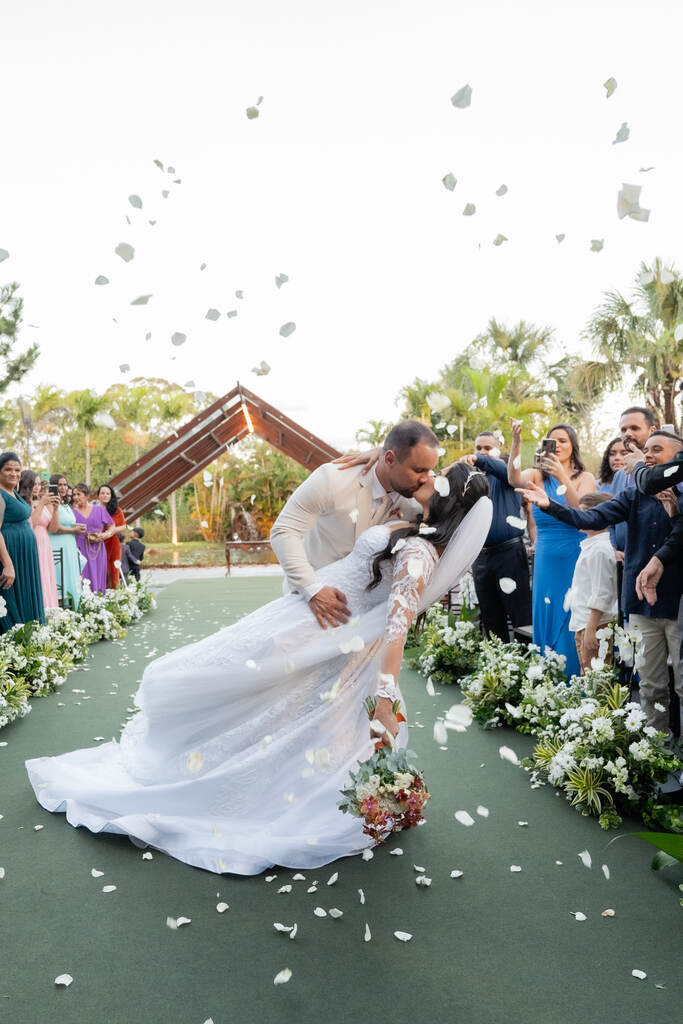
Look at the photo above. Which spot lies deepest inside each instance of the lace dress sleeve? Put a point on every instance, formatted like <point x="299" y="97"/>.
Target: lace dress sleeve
<point x="413" y="569"/>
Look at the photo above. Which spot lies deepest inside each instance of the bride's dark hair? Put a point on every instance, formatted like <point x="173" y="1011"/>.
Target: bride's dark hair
<point x="467" y="486"/>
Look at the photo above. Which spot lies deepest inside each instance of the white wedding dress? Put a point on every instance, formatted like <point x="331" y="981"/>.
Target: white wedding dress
<point x="243" y="740"/>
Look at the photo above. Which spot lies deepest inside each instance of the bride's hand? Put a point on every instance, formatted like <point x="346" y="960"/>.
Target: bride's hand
<point x="365" y="459"/>
<point x="384" y="716"/>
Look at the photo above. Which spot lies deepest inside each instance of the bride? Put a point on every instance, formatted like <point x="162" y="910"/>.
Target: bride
<point x="243" y="740"/>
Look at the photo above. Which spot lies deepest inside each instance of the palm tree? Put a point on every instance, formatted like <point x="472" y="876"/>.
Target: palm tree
<point x="84" y="406"/>
<point x="523" y="344"/>
<point x="640" y="336"/>
<point x="49" y="411"/>
<point x="374" y="433"/>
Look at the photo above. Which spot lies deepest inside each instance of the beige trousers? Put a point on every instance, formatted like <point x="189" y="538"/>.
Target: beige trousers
<point x="661" y="641"/>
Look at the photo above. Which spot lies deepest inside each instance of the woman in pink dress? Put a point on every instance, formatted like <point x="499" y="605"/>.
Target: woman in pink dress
<point x="43" y="517"/>
<point x="99" y="527"/>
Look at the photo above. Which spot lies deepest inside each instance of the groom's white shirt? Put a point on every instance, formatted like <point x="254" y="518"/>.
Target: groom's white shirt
<point x="322" y="519"/>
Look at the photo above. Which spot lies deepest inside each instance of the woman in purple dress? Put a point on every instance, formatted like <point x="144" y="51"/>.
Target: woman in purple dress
<point x="99" y="526"/>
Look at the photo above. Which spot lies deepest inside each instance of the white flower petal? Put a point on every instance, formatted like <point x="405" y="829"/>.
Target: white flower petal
<point x="515" y="868"/>
<point x="367" y="855"/>
<point x="125" y="251"/>
<point x="459" y="717"/>
<point x="252" y="113"/>
<point x="396" y="852"/>
<point x="516" y="521"/>
<point x="622" y="135"/>
<point x="361" y="895"/>
<point x="440" y="733"/>
<point x="108" y="888"/>
<point x="610" y="85"/>
<point x="63" y="979"/>
<point x="367" y="934"/>
<point x="403" y="936"/>
<point x="285" y="888"/>
<point x="178" y="338"/>
<point x="280" y="280"/>
<point x="287" y="329"/>
<point x="335" y="913"/>
<point x="298" y="877"/>
<point x="462" y="98"/>
<point x="507" y="585"/>
<point x="470" y="210"/>
<point x="429" y="687"/>
<point x="270" y="878"/>
<point x="353" y="515"/>
<point x="609" y="913"/>
<point x="641" y="975"/>
<point x="212" y="314"/>
<point x="562" y="489"/>
<point x="320" y="912"/>
<point x="283" y="976"/>
<point x="442" y="486"/>
<point x="585" y="858"/>
<point x="457" y="874"/>
<point x="449" y="181"/>
<point x="423" y="881"/>
<point x="95" y="873"/>
<point x="282" y="927"/>
<point x="597" y="244"/>
<point x="482" y="811"/>
<point x="100" y="279"/>
<point x="464" y="818"/>
<point x="222" y="907"/>
<point x="522" y="824"/>
<point x="670" y="470"/>
<point x="312" y="888"/>
<point x="605" y="871"/>
<point x="293" y="932"/>
<point x="333" y="878"/>
<point x="560" y="238"/>
<point x="498" y="240"/>
<point x="578" y="915"/>
<point x="147" y="856"/>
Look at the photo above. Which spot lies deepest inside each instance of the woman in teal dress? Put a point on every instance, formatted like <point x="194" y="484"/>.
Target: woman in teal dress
<point x="565" y="479"/>
<point x="20" y="584"/>
<point x="64" y="540"/>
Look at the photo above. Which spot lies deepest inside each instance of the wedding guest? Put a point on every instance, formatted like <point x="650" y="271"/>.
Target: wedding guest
<point x="612" y="461"/>
<point x="504" y="554"/>
<point x="109" y="499"/>
<point x="20" y="569"/>
<point x="43" y="517"/>
<point x="99" y="526"/>
<point x="563" y="477"/>
<point x="649" y="527"/>
<point x="635" y="426"/>
<point x="132" y="553"/>
<point x="63" y="538"/>
<point x="593" y="601"/>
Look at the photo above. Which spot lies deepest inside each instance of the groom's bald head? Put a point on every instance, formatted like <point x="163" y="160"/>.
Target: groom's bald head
<point x="410" y="453"/>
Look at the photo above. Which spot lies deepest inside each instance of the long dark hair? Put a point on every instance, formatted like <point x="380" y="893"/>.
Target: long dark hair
<point x="576" y="460"/>
<point x="27" y="482"/>
<point x="606" y="473"/>
<point x="466" y="487"/>
<point x="54" y="479"/>
<point x="113" y="502"/>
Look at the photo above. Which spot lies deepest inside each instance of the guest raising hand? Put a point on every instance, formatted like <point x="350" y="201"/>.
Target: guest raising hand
<point x="563" y="476"/>
<point x="99" y="527"/>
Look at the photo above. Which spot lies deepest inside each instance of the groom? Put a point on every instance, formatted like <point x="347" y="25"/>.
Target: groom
<point x="328" y="512"/>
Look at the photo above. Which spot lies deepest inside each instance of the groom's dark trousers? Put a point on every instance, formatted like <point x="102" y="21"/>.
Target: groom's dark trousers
<point x="503" y="556"/>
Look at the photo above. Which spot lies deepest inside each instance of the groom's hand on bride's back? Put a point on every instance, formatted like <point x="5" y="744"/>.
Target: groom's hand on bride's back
<point x="365" y="459"/>
<point x="329" y="607"/>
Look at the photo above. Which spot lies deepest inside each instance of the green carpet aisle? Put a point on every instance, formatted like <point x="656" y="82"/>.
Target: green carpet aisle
<point x="492" y="946"/>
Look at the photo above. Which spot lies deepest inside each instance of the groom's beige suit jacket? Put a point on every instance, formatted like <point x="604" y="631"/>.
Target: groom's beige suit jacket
<point x="322" y="519"/>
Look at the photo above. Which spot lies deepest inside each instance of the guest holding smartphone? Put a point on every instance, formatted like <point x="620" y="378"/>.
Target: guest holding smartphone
<point x="108" y="498"/>
<point x="63" y="538"/>
<point x="559" y="470"/>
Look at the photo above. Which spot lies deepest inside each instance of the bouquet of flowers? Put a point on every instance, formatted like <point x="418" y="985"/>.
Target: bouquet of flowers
<point x="387" y="792"/>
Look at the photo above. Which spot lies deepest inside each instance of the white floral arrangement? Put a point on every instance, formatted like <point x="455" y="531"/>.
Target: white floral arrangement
<point x="35" y="659"/>
<point x="449" y="647"/>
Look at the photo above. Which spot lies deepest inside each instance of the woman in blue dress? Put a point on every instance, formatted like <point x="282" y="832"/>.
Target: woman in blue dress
<point x="20" y="584"/>
<point x="64" y="540"/>
<point x="565" y="479"/>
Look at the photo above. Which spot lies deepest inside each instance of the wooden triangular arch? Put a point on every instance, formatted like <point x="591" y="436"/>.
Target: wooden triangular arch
<point x="177" y="458"/>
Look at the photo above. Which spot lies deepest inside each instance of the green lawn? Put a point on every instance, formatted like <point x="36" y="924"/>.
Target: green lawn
<point x="492" y="947"/>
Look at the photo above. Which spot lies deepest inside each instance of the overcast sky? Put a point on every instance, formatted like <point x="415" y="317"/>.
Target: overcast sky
<point x="337" y="184"/>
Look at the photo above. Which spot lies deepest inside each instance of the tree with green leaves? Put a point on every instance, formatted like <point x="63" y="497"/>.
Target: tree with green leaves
<point x="373" y="433"/>
<point x="644" y="336"/>
<point x="85" y="405"/>
<point x="12" y="367"/>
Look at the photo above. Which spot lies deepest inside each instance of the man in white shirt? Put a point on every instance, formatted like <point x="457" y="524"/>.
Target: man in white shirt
<point x="594" y="586"/>
<point x="327" y="513"/>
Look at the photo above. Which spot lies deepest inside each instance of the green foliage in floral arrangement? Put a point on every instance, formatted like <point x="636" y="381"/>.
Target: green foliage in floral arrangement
<point x="449" y="648"/>
<point x="35" y="659"/>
